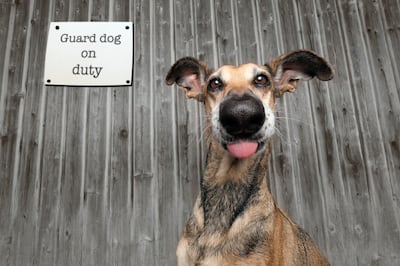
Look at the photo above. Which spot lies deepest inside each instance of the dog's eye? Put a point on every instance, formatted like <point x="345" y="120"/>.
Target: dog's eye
<point x="261" y="81"/>
<point x="215" y="84"/>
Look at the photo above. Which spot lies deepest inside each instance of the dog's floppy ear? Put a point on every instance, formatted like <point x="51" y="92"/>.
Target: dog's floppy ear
<point x="298" y="65"/>
<point x="189" y="74"/>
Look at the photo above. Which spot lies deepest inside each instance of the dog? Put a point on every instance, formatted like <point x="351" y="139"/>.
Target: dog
<point x="235" y="219"/>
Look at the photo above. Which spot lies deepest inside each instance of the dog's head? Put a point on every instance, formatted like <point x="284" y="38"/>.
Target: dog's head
<point x="240" y="100"/>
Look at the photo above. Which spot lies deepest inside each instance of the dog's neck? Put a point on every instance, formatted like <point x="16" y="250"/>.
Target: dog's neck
<point x="230" y="185"/>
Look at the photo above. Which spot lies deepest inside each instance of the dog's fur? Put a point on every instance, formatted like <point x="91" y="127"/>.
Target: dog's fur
<point x="235" y="219"/>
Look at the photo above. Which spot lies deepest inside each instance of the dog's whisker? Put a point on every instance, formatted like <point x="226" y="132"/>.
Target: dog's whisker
<point x="282" y="137"/>
<point x="297" y="120"/>
<point x="279" y="133"/>
<point x="202" y="134"/>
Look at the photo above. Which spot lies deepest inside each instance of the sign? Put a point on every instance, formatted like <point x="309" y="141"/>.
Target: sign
<point x="89" y="54"/>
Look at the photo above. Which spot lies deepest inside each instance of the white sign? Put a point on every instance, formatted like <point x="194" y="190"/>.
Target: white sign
<point x="89" y="54"/>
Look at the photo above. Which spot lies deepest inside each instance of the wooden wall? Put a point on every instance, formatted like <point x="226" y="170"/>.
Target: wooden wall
<point x="107" y="176"/>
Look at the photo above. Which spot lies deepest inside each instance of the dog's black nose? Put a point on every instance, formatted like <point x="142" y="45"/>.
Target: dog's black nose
<point x="241" y="115"/>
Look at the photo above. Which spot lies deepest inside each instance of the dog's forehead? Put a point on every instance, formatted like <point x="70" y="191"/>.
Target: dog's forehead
<point x="243" y="72"/>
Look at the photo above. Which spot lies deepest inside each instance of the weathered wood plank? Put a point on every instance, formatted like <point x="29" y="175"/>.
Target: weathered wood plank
<point x="248" y="43"/>
<point x="285" y="172"/>
<point x="387" y="111"/>
<point x="8" y="130"/>
<point x="70" y="215"/>
<point x="367" y="201"/>
<point x="49" y="189"/>
<point x="99" y="10"/>
<point x="164" y="140"/>
<point x="7" y="13"/>
<point x="390" y="12"/>
<point x="300" y="149"/>
<point x="327" y="157"/>
<point x="267" y="30"/>
<point x="97" y="162"/>
<point x="143" y="214"/>
<point x="227" y="39"/>
<point x="187" y="115"/>
<point x="107" y="176"/>
<point x="120" y="188"/>
<point x="96" y="179"/>
<point x="26" y="175"/>
<point x="50" y="130"/>
<point x="206" y="33"/>
<point x="344" y="153"/>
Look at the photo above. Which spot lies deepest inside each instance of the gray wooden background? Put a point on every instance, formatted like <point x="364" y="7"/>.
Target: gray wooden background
<point x="107" y="176"/>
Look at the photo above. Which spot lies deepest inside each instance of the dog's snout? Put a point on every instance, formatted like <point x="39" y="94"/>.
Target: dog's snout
<point x="241" y="115"/>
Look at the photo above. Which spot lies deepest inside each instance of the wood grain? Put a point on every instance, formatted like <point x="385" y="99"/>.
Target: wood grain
<point x="108" y="176"/>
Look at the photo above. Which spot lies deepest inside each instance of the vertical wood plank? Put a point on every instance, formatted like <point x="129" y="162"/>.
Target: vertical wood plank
<point x="187" y="115"/>
<point x="205" y="30"/>
<point x="108" y="176"/>
<point x="366" y="201"/>
<point x="282" y="180"/>
<point x="143" y="214"/>
<point x="226" y="26"/>
<point x="246" y="31"/>
<point x="266" y="32"/>
<point x="345" y="135"/>
<point x="7" y="13"/>
<point x="52" y="113"/>
<point x="50" y="177"/>
<point x="8" y="129"/>
<point x="97" y="164"/>
<point x="292" y="104"/>
<point x="164" y="149"/>
<point x="119" y="191"/>
<point x="26" y="174"/>
<point x="387" y="110"/>
<point x="96" y="178"/>
<point x="326" y="151"/>
<point x="70" y="216"/>
<point x="390" y="11"/>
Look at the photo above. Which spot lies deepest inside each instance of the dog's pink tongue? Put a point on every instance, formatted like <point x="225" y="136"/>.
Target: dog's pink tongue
<point x="242" y="149"/>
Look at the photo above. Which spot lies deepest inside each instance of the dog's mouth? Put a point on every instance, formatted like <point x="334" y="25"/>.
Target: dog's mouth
<point x="243" y="148"/>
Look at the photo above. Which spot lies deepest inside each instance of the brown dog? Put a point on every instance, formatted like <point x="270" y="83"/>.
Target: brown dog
<point x="235" y="219"/>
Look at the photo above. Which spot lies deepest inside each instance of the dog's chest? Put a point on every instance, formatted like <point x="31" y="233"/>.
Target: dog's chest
<point x="230" y="224"/>
<point x="224" y="203"/>
<point x="247" y="237"/>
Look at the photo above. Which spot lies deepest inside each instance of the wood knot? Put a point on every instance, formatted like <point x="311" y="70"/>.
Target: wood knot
<point x="124" y="133"/>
